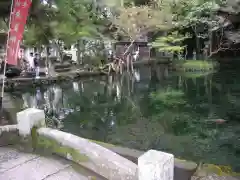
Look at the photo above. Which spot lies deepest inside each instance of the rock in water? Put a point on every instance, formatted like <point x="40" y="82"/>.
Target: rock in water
<point x="217" y="121"/>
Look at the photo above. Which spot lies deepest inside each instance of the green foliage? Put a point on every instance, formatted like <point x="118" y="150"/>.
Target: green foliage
<point x="129" y="19"/>
<point x="71" y="20"/>
<point x="171" y="43"/>
<point x="196" y="17"/>
<point x="136" y="21"/>
<point x="35" y="36"/>
<point x="188" y="13"/>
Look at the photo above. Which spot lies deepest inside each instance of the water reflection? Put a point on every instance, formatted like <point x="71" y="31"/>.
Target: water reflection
<point x="152" y="109"/>
<point x="75" y="87"/>
<point x="137" y="75"/>
<point x="26" y="100"/>
<point x="51" y="100"/>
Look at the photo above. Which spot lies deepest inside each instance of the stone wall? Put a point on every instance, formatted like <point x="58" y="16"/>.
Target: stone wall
<point x="9" y="135"/>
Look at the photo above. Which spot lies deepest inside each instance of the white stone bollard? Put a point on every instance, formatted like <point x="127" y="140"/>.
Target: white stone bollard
<point x="29" y="118"/>
<point x="155" y="165"/>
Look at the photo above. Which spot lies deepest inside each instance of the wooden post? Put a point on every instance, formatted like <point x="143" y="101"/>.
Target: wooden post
<point x="155" y="165"/>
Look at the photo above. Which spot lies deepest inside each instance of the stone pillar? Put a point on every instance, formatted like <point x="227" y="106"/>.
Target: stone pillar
<point x="155" y="165"/>
<point x="29" y="118"/>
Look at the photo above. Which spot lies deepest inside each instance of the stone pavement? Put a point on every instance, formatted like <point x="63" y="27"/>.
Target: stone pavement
<point x="16" y="165"/>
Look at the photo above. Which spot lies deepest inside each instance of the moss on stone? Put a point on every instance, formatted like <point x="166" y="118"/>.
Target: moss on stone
<point x="207" y="169"/>
<point x="44" y="143"/>
<point x="93" y="178"/>
<point x="85" y="171"/>
<point x="34" y="136"/>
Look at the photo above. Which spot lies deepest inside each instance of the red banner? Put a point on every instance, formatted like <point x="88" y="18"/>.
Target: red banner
<point x="18" y="18"/>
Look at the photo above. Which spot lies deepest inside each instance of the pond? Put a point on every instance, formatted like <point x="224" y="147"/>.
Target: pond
<point x="156" y="108"/>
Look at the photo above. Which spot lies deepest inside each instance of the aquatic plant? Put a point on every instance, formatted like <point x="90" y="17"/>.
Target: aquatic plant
<point x="169" y="97"/>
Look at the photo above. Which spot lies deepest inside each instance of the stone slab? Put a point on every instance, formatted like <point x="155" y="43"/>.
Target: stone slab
<point x="183" y="169"/>
<point x="10" y="158"/>
<point x="15" y="165"/>
<point x="68" y="174"/>
<point x="35" y="169"/>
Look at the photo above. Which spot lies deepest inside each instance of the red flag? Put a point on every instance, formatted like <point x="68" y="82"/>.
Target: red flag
<point x="18" y="18"/>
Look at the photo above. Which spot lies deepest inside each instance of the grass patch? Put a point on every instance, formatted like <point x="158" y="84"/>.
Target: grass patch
<point x="198" y="64"/>
<point x="194" y="74"/>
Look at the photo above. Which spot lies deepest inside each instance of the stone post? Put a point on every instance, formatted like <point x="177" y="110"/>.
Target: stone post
<point x="27" y="120"/>
<point x="155" y="165"/>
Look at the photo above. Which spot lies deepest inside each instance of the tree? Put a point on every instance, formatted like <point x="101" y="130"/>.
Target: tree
<point x="199" y="19"/>
<point x="172" y="43"/>
<point x="64" y="23"/>
<point x="135" y="22"/>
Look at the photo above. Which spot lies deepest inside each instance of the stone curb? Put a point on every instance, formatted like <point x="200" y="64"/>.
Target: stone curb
<point x="88" y="154"/>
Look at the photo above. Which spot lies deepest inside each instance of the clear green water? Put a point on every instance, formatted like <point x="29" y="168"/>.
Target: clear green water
<point x="163" y="110"/>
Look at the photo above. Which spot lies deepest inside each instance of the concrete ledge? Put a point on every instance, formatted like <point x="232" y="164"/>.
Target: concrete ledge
<point x="183" y="169"/>
<point x="9" y="135"/>
<point x="8" y="128"/>
<point x="88" y="154"/>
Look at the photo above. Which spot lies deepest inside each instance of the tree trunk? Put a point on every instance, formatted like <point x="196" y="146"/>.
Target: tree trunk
<point x="47" y="62"/>
<point x="197" y="42"/>
<point x="128" y="62"/>
<point x="210" y="43"/>
<point x="79" y="51"/>
<point x="57" y="45"/>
